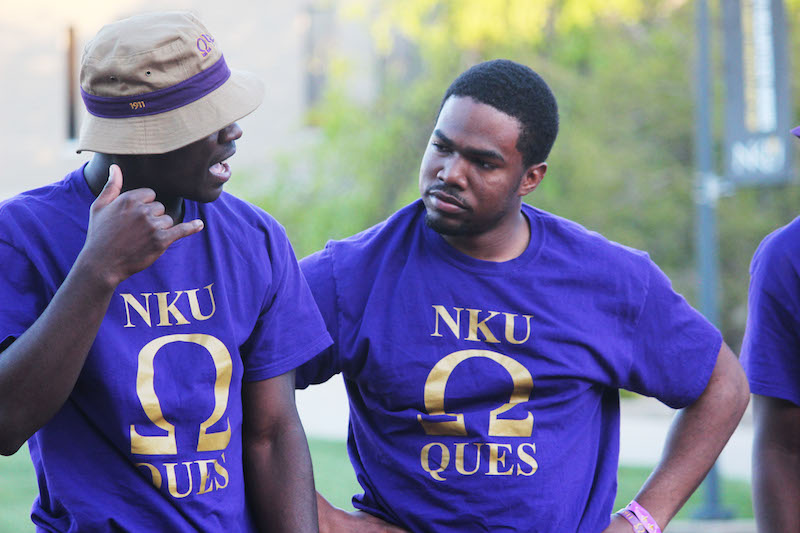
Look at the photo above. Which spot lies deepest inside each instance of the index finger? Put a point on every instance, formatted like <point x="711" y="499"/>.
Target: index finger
<point x="184" y="229"/>
<point x="144" y="195"/>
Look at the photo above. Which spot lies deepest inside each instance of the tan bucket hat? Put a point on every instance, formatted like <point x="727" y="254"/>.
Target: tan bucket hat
<point x="156" y="82"/>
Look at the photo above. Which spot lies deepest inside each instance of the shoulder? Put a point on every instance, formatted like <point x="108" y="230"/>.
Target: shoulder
<point x="242" y="223"/>
<point x="366" y="253"/>
<point x="781" y="247"/>
<point x="237" y="211"/>
<point x="247" y="237"/>
<point x="569" y="239"/>
<point x="43" y="207"/>
<point x="35" y="200"/>
<point x="389" y="236"/>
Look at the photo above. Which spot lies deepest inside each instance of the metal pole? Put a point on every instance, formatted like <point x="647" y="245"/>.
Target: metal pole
<point x="707" y="195"/>
<point x="72" y="83"/>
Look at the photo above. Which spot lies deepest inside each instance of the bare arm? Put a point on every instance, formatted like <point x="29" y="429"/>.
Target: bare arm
<point x="776" y="464"/>
<point x="127" y="232"/>
<point x="335" y="520"/>
<point x="278" y="475"/>
<point x="696" y="437"/>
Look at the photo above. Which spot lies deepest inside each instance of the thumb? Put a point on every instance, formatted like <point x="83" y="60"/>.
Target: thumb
<point x="112" y="187"/>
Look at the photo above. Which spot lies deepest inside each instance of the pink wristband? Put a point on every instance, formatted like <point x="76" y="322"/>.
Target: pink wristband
<point x="638" y="527"/>
<point x="644" y="517"/>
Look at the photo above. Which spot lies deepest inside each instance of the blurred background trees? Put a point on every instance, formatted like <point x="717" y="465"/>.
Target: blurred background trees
<point x="622" y="165"/>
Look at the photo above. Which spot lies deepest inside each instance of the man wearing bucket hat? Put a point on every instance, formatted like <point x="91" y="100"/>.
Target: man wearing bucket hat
<point x="771" y="359"/>
<point x="151" y="323"/>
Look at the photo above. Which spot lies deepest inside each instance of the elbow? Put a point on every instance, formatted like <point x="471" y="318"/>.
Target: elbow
<point x="741" y="393"/>
<point x="11" y="438"/>
<point x="744" y="396"/>
<point x="733" y="396"/>
<point x="9" y="447"/>
<point x="728" y="391"/>
<point x="259" y="439"/>
<point x="8" y="451"/>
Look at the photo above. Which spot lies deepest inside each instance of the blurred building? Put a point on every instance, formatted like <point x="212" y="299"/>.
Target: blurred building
<point x="291" y="44"/>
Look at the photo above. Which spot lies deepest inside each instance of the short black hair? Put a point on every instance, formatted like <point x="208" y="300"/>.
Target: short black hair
<point x="518" y="91"/>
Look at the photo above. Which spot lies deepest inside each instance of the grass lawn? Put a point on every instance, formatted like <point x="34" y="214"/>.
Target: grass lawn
<point x="334" y="478"/>
<point x="17" y="490"/>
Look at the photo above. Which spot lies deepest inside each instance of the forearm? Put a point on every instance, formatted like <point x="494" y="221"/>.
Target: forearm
<point x="696" y="437"/>
<point x="776" y="464"/>
<point x="280" y="481"/>
<point x="335" y="520"/>
<point x="776" y="490"/>
<point x="39" y="370"/>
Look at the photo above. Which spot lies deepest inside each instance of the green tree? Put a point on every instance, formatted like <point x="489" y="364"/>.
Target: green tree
<point x="622" y="165"/>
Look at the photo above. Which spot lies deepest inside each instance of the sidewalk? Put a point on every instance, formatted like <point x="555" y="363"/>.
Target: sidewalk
<point x="643" y="430"/>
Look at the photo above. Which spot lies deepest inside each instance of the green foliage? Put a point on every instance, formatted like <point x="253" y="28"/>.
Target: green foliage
<point x="363" y="168"/>
<point x="623" y="163"/>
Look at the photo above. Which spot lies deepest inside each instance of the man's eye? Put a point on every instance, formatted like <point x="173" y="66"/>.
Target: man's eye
<point x="485" y="165"/>
<point x="440" y="147"/>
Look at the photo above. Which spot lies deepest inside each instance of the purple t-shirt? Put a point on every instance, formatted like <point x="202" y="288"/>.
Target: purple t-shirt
<point x="150" y="438"/>
<point x="771" y="347"/>
<point x="484" y="396"/>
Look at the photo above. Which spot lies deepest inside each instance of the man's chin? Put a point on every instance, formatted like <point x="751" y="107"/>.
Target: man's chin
<point x="207" y="196"/>
<point x="443" y="226"/>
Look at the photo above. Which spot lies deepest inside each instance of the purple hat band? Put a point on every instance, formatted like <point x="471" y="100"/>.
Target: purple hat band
<point x="161" y="100"/>
<point x="796" y="131"/>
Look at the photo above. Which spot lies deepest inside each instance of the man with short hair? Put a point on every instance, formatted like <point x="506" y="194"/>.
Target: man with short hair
<point x="771" y="359"/>
<point x="483" y="343"/>
<point x="147" y="359"/>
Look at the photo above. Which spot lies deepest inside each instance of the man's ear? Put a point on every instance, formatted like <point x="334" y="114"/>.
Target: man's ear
<point x="533" y="177"/>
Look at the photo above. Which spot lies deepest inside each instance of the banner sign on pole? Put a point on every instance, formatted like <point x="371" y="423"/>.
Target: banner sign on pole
<point x="758" y="113"/>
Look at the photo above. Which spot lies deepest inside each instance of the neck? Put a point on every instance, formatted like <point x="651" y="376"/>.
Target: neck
<point x="502" y="243"/>
<point x="96" y="175"/>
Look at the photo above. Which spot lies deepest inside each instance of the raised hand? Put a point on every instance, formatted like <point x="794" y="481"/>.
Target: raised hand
<point x="335" y="520"/>
<point x="128" y="231"/>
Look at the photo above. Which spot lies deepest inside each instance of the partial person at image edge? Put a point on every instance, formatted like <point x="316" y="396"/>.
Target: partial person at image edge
<point x="771" y="359"/>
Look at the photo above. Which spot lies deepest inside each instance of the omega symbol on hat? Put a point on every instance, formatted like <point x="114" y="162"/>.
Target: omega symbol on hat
<point x="205" y="43"/>
<point x="436" y="384"/>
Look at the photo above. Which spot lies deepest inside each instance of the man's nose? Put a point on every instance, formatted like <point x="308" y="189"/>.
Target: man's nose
<point x="230" y="133"/>
<point x="454" y="171"/>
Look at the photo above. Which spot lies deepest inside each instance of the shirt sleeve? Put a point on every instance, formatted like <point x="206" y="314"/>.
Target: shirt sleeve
<point x="674" y="347"/>
<point x="318" y="269"/>
<point x="771" y="342"/>
<point x="290" y="329"/>
<point x="22" y="293"/>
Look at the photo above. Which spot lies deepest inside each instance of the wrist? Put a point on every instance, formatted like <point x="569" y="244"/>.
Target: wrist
<point x="637" y="526"/>
<point x="90" y="272"/>
<point x="330" y="518"/>
<point x="639" y="518"/>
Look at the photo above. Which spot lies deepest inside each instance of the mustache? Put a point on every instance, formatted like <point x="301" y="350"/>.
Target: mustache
<point x="448" y="191"/>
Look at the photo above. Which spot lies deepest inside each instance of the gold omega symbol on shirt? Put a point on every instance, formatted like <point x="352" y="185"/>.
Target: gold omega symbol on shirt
<point x="436" y="384"/>
<point x="145" y="389"/>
